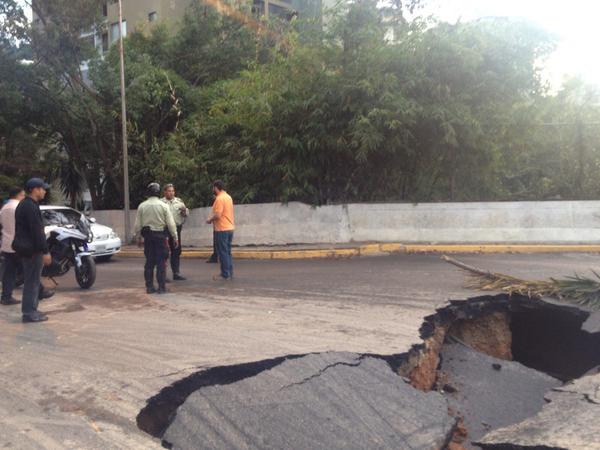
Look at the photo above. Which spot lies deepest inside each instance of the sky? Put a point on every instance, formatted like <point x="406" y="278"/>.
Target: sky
<point x="574" y="22"/>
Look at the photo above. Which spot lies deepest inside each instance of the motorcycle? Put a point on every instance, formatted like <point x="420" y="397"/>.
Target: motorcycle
<point x="68" y="246"/>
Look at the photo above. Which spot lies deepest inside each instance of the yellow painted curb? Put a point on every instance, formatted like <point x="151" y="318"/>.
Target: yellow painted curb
<point x="500" y="248"/>
<point x="252" y="255"/>
<point x="195" y="254"/>
<point x="393" y="248"/>
<point x="314" y="254"/>
<point x="370" y="250"/>
<point x="385" y="249"/>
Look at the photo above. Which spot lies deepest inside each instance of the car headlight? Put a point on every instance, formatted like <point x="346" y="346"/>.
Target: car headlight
<point x="113" y="235"/>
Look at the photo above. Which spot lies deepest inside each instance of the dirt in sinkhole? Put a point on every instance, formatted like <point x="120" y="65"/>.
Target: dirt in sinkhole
<point x="494" y="362"/>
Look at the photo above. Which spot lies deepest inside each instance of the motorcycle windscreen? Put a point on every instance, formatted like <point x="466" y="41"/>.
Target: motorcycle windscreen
<point x="84" y="227"/>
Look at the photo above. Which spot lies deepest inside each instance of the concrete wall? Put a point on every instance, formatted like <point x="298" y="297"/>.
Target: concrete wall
<point x="297" y="223"/>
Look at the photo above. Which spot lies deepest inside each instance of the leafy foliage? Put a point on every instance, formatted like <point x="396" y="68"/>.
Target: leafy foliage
<point x="353" y="117"/>
<point x="22" y="142"/>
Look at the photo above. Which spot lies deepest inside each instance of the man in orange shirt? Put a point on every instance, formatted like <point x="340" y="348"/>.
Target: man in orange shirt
<point x="223" y="224"/>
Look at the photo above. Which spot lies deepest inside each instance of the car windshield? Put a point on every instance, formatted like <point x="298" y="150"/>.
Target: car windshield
<point x="61" y="217"/>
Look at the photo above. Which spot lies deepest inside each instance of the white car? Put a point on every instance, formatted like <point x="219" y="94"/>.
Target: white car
<point x="105" y="244"/>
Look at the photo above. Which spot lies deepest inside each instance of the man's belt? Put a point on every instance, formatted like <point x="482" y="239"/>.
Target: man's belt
<point x="148" y="233"/>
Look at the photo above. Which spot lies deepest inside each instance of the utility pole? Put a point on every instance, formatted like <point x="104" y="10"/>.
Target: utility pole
<point x="124" y="129"/>
<point x="266" y="3"/>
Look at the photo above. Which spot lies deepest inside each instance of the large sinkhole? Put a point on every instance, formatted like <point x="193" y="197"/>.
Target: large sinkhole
<point x="552" y="341"/>
<point x="543" y="336"/>
<point x="484" y="363"/>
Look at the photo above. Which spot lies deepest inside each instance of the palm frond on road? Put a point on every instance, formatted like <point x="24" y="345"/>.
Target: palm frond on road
<point x="576" y="289"/>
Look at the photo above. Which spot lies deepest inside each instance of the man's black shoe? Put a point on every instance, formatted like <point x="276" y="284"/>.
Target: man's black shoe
<point x="46" y="294"/>
<point x="212" y="261"/>
<point x="220" y="277"/>
<point x="162" y="291"/>
<point x="178" y="277"/>
<point x="151" y="290"/>
<point x="35" y="317"/>
<point x="9" y="301"/>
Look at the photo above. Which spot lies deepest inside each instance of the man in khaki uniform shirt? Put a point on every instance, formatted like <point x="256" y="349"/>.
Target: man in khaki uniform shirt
<point x="179" y="212"/>
<point x="153" y="223"/>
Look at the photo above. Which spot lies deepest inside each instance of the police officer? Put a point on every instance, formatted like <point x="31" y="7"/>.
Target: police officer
<point x="153" y="224"/>
<point x="179" y="212"/>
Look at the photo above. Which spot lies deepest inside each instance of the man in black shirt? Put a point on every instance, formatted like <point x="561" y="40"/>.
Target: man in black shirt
<point x="31" y="246"/>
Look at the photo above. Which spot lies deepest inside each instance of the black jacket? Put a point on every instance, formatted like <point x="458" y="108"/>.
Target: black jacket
<point x="29" y="229"/>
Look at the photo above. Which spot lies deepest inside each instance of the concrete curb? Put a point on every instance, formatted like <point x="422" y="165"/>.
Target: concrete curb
<point x="383" y="249"/>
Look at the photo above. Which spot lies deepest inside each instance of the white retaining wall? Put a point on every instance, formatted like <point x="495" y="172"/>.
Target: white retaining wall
<point x="556" y="222"/>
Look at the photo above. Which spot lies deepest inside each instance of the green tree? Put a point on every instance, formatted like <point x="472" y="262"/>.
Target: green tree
<point x="352" y="116"/>
<point x="21" y="136"/>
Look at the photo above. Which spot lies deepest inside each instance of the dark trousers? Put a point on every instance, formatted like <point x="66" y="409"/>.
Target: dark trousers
<point x="223" y="240"/>
<point x="175" y="251"/>
<point x="11" y="264"/>
<point x="214" y="257"/>
<point x="32" y="275"/>
<point x="156" y="253"/>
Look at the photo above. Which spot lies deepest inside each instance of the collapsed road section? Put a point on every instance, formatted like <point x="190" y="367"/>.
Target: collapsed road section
<point x="331" y="400"/>
<point x="498" y="359"/>
<point x="483" y="375"/>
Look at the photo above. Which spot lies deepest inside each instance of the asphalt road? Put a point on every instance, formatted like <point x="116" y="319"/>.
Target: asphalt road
<point x="376" y="279"/>
<point x="368" y="279"/>
<point x="80" y="379"/>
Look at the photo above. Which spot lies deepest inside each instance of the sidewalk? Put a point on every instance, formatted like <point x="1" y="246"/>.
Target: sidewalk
<point x="316" y="251"/>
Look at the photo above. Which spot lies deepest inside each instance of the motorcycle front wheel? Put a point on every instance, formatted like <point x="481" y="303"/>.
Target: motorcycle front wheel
<point x="86" y="274"/>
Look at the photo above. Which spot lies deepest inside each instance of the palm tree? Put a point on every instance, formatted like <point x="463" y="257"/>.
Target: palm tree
<point x="71" y="181"/>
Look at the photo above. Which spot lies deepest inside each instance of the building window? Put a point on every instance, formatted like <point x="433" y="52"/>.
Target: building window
<point x="114" y="31"/>
<point x="104" y="9"/>
<point x="105" y="43"/>
<point x="258" y="8"/>
<point x="152" y="17"/>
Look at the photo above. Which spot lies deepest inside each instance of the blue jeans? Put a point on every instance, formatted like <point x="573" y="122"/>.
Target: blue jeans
<point x="223" y="241"/>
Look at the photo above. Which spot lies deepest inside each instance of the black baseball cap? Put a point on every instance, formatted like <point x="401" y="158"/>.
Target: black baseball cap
<point x="36" y="183"/>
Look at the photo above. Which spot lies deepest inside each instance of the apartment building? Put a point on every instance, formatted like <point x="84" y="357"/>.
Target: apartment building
<point x="138" y="15"/>
<point x="143" y="14"/>
<point x="287" y="9"/>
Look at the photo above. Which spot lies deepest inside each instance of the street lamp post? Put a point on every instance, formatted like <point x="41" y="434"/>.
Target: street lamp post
<point x="124" y="129"/>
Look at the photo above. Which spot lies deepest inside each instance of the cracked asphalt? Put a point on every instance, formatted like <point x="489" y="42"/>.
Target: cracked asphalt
<point x="80" y="379"/>
<point x="321" y="401"/>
